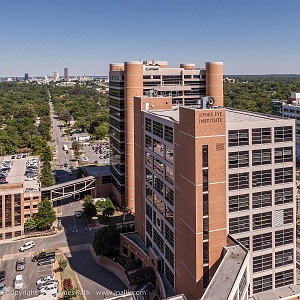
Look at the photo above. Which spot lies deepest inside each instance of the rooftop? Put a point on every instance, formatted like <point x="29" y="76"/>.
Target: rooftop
<point x="225" y="276"/>
<point x="135" y="238"/>
<point x="232" y="115"/>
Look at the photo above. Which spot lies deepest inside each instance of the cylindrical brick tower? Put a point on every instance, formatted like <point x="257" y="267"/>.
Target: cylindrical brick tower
<point x="133" y="83"/>
<point x="214" y="81"/>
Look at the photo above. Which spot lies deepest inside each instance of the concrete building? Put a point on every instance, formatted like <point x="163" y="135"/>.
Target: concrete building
<point x="290" y="109"/>
<point x="186" y="84"/>
<point x="81" y="137"/>
<point x="214" y="201"/>
<point x="19" y="199"/>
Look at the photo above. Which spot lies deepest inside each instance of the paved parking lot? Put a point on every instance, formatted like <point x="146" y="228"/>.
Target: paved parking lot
<point x="31" y="274"/>
<point x="101" y="156"/>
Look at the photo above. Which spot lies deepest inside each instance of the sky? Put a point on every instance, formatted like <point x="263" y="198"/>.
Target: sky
<point x="250" y="37"/>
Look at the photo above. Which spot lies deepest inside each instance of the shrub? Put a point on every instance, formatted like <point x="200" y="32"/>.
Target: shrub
<point x="67" y="283"/>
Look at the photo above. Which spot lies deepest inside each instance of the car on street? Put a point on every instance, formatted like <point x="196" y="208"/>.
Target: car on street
<point x="20" y="264"/>
<point x="2" y="275"/>
<point x="46" y="261"/>
<point x="44" y="279"/>
<point x="26" y="246"/>
<point x="77" y="214"/>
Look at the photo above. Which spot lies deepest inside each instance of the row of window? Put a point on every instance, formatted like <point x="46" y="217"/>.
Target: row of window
<point x="240" y="137"/>
<point x="240" y="181"/>
<point x="264" y="241"/>
<point x="260" y="199"/>
<point x="163" y="131"/>
<point x="265" y="262"/>
<point x="264" y="283"/>
<point x="261" y="220"/>
<point x="240" y="159"/>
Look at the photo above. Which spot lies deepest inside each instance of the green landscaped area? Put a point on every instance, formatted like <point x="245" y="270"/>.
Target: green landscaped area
<point x="115" y="219"/>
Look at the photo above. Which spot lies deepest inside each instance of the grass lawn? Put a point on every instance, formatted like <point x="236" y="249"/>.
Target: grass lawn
<point x="116" y="218"/>
<point x="69" y="273"/>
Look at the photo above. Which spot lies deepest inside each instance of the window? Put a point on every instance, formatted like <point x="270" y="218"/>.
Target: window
<point x="238" y="159"/>
<point x="245" y="241"/>
<point x="283" y="134"/>
<point x="283" y="196"/>
<point x="261" y="136"/>
<point x="204" y="156"/>
<point x="158" y="129"/>
<point x="169" y="134"/>
<point x="283" y="154"/>
<point x="158" y="166"/>
<point x="283" y="216"/>
<point x="205" y="253"/>
<point x="239" y="224"/>
<point x="262" y="220"/>
<point x="169" y="215"/>
<point x="148" y="126"/>
<point x="262" y="241"/>
<point x="284" y="175"/>
<point x="262" y="199"/>
<point x="158" y="147"/>
<point x="261" y="178"/>
<point x="262" y="262"/>
<point x="238" y="181"/>
<point x="169" y="154"/>
<point x="125" y="251"/>
<point x="169" y="174"/>
<point x="284" y="237"/>
<point x="261" y="157"/>
<point x="205" y="179"/>
<point x="169" y="195"/>
<point x="205" y="204"/>
<point x="158" y="240"/>
<point x="148" y="210"/>
<point x="262" y="283"/>
<point x="284" y="278"/>
<point x="158" y="203"/>
<point x="148" y="227"/>
<point x="205" y="228"/>
<point x="238" y="137"/>
<point x="149" y="159"/>
<point x="243" y="285"/>
<point x="169" y="235"/>
<point x="149" y="176"/>
<point x="238" y="202"/>
<point x="149" y="193"/>
<point x="158" y="185"/>
<point x="148" y="142"/>
<point x="284" y="257"/>
<point x="170" y="275"/>
<point x="169" y="255"/>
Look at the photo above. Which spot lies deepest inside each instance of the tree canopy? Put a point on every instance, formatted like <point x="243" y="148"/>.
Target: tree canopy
<point x="106" y="241"/>
<point x="45" y="215"/>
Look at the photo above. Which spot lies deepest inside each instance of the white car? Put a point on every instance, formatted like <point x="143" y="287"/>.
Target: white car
<point x="27" y="246"/>
<point x="44" y="279"/>
<point x="84" y="158"/>
<point x="18" y="282"/>
<point x="48" y="291"/>
<point x="77" y="214"/>
<point x="30" y="178"/>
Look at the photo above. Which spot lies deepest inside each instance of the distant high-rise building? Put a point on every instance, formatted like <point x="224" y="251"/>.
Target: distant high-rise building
<point x="26" y="77"/>
<point x="66" y="76"/>
<point x="55" y="76"/>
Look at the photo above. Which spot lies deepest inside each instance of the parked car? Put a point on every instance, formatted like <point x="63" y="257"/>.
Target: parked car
<point x="2" y="285"/>
<point x="50" y="284"/>
<point x="46" y="261"/>
<point x="18" y="282"/>
<point x="20" y="264"/>
<point x="43" y="255"/>
<point x="26" y="246"/>
<point x="18" y="156"/>
<point x="49" y="292"/>
<point x="2" y="275"/>
<point x="44" y="279"/>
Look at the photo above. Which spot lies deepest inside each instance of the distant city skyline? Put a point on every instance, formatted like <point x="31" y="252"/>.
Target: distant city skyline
<point x="253" y="37"/>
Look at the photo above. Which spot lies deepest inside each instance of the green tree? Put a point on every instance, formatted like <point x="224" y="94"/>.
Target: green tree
<point x="45" y="215"/>
<point x="29" y="224"/>
<point x="47" y="178"/>
<point x="108" y="211"/>
<point x="90" y="210"/>
<point x="106" y="241"/>
<point x="101" y="131"/>
<point x="62" y="263"/>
